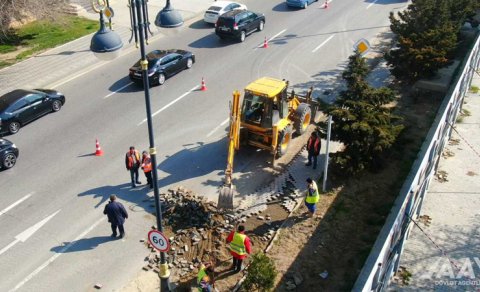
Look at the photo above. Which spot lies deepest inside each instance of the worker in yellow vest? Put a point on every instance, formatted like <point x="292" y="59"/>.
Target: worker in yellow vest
<point x="147" y="168"/>
<point x="204" y="278"/>
<point x="239" y="245"/>
<point x="312" y="196"/>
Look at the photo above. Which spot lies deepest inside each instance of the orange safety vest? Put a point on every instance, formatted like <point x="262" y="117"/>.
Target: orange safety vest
<point x="238" y="244"/>
<point x="132" y="159"/>
<point x="147" y="164"/>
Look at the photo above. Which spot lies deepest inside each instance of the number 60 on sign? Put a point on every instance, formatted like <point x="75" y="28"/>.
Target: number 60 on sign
<point x="158" y="240"/>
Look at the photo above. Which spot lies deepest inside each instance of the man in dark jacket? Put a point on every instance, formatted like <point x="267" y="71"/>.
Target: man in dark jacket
<point x="116" y="214"/>
<point x="313" y="148"/>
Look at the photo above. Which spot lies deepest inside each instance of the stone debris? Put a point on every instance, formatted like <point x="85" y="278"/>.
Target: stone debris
<point x="98" y="286"/>
<point x="324" y="275"/>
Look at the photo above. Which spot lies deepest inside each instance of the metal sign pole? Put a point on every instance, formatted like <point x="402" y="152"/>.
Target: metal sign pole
<point x="325" y="169"/>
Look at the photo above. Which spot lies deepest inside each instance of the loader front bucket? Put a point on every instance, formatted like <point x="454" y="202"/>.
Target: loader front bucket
<point x="225" y="198"/>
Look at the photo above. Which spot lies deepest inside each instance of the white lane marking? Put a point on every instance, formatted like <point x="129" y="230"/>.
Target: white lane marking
<point x="324" y="42"/>
<point x="112" y="93"/>
<point x="272" y="38"/>
<point x="168" y="105"/>
<point x="28" y="232"/>
<point x="55" y="256"/>
<point x="372" y="3"/>
<point x="14" y="204"/>
<point x="217" y="127"/>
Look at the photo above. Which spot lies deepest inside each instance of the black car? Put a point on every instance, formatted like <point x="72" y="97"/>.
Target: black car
<point x="162" y="64"/>
<point x="238" y="24"/>
<point x="21" y="106"/>
<point x="8" y="154"/>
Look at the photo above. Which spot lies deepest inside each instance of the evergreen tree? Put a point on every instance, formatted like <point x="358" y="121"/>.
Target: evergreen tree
<point x="361" y="121"/>
<point x="426" y="38"/>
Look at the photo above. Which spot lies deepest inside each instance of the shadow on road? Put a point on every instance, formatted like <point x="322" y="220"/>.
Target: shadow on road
<point x="211" y="41"/>
<point x="200" y="24"/>
<point x="82" y="244"/>
<point x="123" y="192"/>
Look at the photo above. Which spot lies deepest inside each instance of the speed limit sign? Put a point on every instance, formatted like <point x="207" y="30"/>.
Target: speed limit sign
<point x="158" y="240"/>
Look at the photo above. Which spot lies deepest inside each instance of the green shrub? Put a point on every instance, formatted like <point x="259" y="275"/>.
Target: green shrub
<point x="474" y="89"/>
<point x="261" y="274"/>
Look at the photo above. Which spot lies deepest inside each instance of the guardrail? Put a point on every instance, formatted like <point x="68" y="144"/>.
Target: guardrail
<point x="385" y="255"/>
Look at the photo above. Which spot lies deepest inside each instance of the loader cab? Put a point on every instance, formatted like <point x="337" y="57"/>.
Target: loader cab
<point x="265" y="106"/>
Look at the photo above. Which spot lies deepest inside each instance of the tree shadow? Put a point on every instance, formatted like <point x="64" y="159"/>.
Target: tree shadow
<point x="385" y="2"/>
<point x="83" y="244"/>
<point x="282" y="7"/>
<point x="201" y="24"/>
<point x="211" y="41"/>
<point x="125" y="85"/>
<point x="123" y="192"/>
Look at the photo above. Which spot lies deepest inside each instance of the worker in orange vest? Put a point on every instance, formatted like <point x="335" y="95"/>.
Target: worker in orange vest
<point x="132" y="162"/>
<point x="147" y="168"/>
<point x="313" y="148"/>
<point x="239" y="247"/>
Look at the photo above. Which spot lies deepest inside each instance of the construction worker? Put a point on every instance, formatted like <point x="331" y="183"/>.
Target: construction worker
<point x="204" y="278"/>
<point x="239" y="247"/>
<point x="132" y="162"/>
<point x="313" y="148"/>
<point x="312" y="196"/>
<point x="147" y="168"/>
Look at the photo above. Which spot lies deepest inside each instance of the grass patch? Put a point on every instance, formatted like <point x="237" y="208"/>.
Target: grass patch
<point x="41" y="35"/>
<point x="474" y="89"/>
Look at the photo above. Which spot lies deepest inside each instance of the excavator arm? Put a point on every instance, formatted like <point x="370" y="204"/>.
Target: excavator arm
<point x="227" y="192"/>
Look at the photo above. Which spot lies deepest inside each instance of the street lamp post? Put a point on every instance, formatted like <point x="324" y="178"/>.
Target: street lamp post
<point x="168" y="17"/>
<point x="140" y="29"/>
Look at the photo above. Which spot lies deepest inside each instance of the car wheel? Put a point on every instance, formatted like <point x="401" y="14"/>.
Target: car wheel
<point x="242" y="36"/>
<point x="305" y="5"/>
<point x="189" y="63"/>
<point x="260" y="26"/>
<point x="161" y="79"/>
<point x="14" y="127"/>
<point x="56" y="105"/>
<point x="9" y="160"/>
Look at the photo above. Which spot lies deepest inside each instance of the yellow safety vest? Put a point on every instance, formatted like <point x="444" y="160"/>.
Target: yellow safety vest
<point x="238" y="244"/>
<point x="201" y="274"/>
<point x="312" y="198"/>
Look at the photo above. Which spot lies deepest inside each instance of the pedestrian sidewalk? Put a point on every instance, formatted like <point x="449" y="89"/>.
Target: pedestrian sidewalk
<point x="444" y="254"/>
<point x="57" y="66"/>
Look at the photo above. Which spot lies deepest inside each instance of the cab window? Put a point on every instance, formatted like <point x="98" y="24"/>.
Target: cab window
<point x="253" y="108"/>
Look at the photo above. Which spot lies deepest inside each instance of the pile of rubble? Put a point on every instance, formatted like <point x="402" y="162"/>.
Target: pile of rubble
<point x="196" y="230"/>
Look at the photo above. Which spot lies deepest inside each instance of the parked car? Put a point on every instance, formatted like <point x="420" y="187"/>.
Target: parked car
<point x="220" y="7"/>
<point x="300" y="3"/>
<point x="238" y="24"/>
<point x="8" y="154"/>
<point x="162" y="64"/>
<point x="21" y="106"/>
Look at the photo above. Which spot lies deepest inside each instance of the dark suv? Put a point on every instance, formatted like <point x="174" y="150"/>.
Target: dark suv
<point x="238" y="24"/>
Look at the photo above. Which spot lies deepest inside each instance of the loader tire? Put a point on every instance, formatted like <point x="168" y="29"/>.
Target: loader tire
<point x="303" y="117"/>
<point x="284" y="138"/>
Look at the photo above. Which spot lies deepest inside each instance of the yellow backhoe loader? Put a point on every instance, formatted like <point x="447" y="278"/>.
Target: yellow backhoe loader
<point x="267" y="119"/>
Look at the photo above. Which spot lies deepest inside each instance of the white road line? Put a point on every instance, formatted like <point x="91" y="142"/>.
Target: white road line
<point x="272" y="38"/>
<point x="112" y="93"/>
<point x="372" y="3"/>
<point x="324" y="42"/>
<point x="23" y="236"/>
<point x="14" y="204"/>
<point x="55" y="256"/>
<point x="218" y="127"/>
<point x="168" y="105"/>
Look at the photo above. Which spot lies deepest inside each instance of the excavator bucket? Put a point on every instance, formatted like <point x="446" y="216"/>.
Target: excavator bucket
<point x="225" y="198"/>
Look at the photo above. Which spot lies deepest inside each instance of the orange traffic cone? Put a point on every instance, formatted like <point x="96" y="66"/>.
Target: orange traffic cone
<point x="326" y="4"/>
<point x="204" y="87"/>
<point x="98" y="150"/>
<point x="265" y="43"/>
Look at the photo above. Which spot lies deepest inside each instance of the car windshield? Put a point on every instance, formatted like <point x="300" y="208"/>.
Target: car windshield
<point x="214" y="8"/>
<point x="227" y="21"/>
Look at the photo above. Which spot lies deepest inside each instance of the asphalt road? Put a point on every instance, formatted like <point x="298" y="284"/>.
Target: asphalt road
<point x="60" y="186"/>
